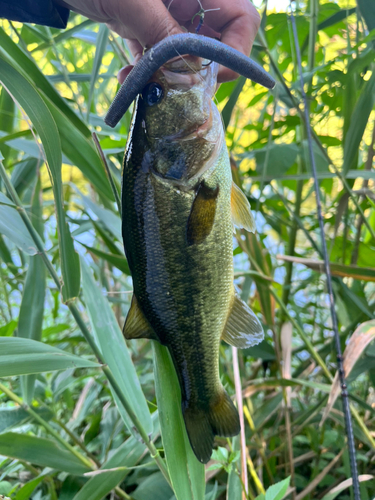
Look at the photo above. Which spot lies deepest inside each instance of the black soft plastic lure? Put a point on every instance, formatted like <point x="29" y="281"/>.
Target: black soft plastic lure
<point x="175" y="45"/>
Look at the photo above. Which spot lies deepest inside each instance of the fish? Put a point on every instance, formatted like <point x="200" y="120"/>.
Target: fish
<point x="180" y="207"/>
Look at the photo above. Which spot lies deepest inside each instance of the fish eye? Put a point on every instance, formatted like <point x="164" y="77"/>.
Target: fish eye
<point x="152" y="93"/>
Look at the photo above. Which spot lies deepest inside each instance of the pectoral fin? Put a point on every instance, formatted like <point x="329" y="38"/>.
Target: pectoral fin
<point x="241" y="211"/>
<point x="202" y="215"/>
<point x="243" y="329"/>
<point x="136" y="325"/>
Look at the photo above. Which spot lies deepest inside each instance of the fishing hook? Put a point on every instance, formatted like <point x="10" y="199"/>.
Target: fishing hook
<point x="168" y="48"/>
<point x="201" y="13"/>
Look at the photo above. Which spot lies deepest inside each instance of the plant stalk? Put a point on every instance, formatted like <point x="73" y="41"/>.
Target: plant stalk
<point x="237" y="383"/>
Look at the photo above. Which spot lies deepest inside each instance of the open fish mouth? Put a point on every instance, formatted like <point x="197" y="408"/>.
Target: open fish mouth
<point x="190" y="77"/>
<point x="184" y="43"/>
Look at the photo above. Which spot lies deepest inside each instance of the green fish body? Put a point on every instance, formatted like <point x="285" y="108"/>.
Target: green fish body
<point x="179" y="206"/>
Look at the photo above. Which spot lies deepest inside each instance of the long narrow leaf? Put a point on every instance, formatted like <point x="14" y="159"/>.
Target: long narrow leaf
<point x="358" y="122"/>
<point x="33" y="104"/>
<point x="31" y="70"/>
<point x="12" y="226"/>
<point x="40" y="451"/>
<point x="23" y="356"/>
<point x="114" y="350"/>
<point x="101" y="46"/>
<point x="186" y="472"/>
<point x="32" y="305"/>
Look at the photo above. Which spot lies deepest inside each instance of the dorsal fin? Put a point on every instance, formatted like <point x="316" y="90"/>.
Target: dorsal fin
<point x="136" y="325"/>
<point x="202" y="215"/>
<point x="243" y="329"/>
<point x="241" y="211"/>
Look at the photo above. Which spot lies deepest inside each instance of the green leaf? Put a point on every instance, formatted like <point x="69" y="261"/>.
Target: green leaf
<point x="26" y="490"/>
<point x="29" y="98"/>
<point x="114" y="350"/>
<point x="234" y="488"/>
<point x="23" y="356"/>
<point x="24" y="174"/>
<point x="154" y="486"/>
<point x="64" y="35"/>
<point x="40" y="451"/>
<point x="321" y="161"/>
<point x="11" y="417"/>
<point x="280" y="158"/>
<point x="5" y="489"/>
<point x="186" y="472"/>
<point x="12" y="226"/>
<point x="358" y="122"/>
<point x="367" y="8"/>
<point x="336" y="18"/>
<point x="7" y="109"/>
<point x="127" y="455"/>
<point x="228" y="108"/>
<point x="111" y="220"/>
<point x="32" y="306"/>
<point x="118" y="261"/>
<point x="276" y="491"/>
<point x="31" y="71"/>
<point x="8" y="329"/>
<point x="81" y="152"/>
<point x="101" y="46"/>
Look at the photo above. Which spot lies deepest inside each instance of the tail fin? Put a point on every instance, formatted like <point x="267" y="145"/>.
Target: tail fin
<point x="221" y="418"/>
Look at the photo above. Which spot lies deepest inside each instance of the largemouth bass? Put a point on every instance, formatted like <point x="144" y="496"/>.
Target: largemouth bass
<point x="179" y="207"/>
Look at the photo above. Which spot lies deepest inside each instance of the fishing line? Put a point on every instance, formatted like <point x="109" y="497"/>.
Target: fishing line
<point x="340" y="367"/>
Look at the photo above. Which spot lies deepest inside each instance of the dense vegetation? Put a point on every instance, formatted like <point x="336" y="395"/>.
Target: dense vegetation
<point x="75" y="397"/>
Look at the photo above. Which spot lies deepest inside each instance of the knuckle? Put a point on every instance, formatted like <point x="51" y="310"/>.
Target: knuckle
<point x="161" y="29"/>
<point x="253" y="15"/>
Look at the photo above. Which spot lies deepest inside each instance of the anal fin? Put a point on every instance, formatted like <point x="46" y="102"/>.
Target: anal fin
<point x="136" y="325"/>
<point x="243" y="329"/>
<point x="241" y="211"/>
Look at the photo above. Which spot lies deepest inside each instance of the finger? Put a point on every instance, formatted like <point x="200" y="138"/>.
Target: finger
<point x="135" y="48"/>
<point x="148" y="20"/>
<point x="238" y="22"/>
<point x="123" y="73"/>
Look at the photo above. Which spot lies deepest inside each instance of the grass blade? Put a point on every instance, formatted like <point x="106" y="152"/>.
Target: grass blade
<point x="23" y="356"/>
<point x="32" y="306"/>
<point x="186" y="472"/>
<point x="31" y="71"/>
<point x="342" y="270"/>
<point x="114" y="350"/>
<point x="81" y="151"/>
<point x="358" y="342"/>
<point x="12" y="226"/>
<point x="346" y="484"/>
<point x="101" y="45"/>
<point x="40" y="451"/>
<point x="126" y="455"/>
<point x="358" y="123"/>
<point x="29" y="98"/>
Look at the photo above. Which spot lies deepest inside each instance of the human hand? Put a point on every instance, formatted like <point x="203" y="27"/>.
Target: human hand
<point x="145" y="22"/>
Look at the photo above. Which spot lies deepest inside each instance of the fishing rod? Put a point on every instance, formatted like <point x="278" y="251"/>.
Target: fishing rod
<point x="327" y="269"/>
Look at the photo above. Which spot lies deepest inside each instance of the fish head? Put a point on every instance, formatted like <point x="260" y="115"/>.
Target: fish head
<point x="181" y="122"/>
